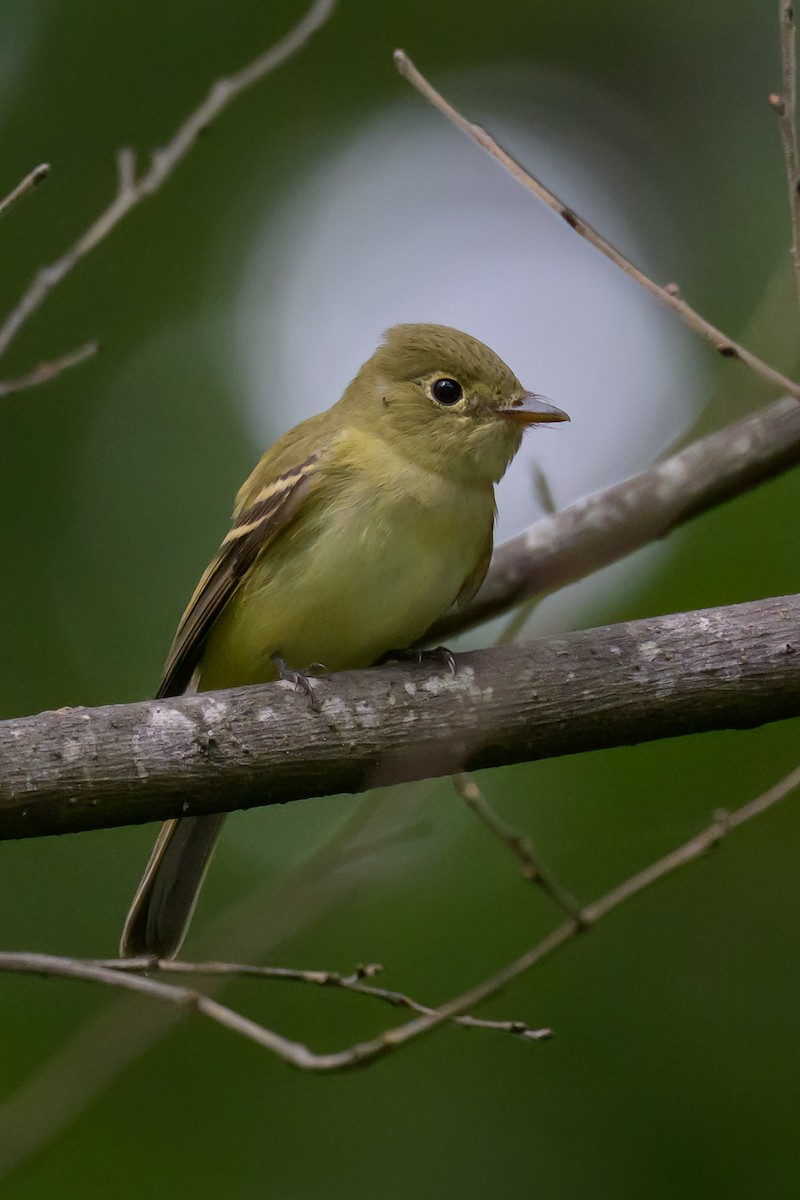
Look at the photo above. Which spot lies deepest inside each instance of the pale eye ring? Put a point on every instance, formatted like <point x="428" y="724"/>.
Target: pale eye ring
<point x="446" y="391"/>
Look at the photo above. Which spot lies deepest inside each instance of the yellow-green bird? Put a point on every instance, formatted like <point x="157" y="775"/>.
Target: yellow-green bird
<point x="356" y="530"/>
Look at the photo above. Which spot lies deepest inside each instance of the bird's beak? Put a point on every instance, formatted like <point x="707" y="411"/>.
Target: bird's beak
<point x="528" y="408"/>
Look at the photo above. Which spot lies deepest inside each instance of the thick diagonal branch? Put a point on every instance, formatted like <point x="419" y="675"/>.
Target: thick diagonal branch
<point x="90" y="768"/>
<point x="605" y="527"/>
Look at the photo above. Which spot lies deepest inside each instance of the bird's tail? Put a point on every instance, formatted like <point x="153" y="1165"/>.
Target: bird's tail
<point x="165" y="899"/>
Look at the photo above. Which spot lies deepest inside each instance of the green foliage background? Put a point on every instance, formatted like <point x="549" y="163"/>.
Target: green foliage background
<point x="674" y="1072"/>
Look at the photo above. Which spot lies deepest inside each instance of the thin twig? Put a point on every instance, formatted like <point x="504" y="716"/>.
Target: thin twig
<point x="666" y="294"/>
<point x="349" y="983"/>
<point x="689" y="852"/>
<point x="46" y="371"/>
<point x="785" y="105"/>
<point x="131" y="192"/>
<point x="24" y="186"/>
<point x="47" y="964"/>
<point x="98" y="1051"/>
<point x="354" y="982"/>
<point x="519" y="845"/>
<point x="123" y="974"/>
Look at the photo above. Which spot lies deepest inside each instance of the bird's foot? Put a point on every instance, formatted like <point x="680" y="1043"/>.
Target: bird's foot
<point x="301" y="681"/>
<point x="437" y="654"/>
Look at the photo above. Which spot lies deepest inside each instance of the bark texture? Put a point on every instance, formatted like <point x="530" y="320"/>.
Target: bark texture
<point x="76" y="769"/>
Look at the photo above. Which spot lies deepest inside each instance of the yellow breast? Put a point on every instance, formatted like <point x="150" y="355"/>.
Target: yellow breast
<point x="374" y="564"/>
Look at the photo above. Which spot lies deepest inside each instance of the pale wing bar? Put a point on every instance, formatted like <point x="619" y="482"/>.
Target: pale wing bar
<point x="270" y="512"/>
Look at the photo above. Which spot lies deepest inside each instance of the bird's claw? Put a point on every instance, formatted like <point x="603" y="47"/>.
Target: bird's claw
<point x="414" y="654"/>
<point x="301" y="682"/>
<point x="442" y="654"/>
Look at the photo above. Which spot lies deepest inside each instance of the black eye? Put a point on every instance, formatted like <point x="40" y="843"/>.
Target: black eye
<point x="446" y="391"/>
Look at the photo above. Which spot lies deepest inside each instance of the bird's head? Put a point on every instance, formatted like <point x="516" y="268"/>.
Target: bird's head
<point x="447" y="401"/>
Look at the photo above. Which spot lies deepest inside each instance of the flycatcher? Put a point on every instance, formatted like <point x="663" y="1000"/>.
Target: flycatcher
<point x="356" y="530"/>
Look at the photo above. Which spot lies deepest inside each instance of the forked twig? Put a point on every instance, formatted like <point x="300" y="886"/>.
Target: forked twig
<point x="123" y="974"/>
<point x="131" y="191"/>
<point x="667" y="294"/>
<point x="689" y="852"/>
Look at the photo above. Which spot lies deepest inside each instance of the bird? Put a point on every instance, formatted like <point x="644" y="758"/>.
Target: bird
<point x="356" y="530"/>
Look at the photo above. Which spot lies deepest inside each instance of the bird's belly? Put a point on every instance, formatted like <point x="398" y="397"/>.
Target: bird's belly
<point x="358" y="588"/>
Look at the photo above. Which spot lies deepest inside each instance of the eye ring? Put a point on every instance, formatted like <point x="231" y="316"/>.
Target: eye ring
<point x="446" y="391"/>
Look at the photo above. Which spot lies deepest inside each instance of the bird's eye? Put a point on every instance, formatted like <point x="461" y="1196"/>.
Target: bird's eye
<point x="446" y="391"/>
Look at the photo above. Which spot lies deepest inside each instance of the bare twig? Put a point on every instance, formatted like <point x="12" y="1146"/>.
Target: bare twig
<point x="349" y="983"/>
<point x="131" y="191"/>
<point x="519" y="845"/>
<point x="71" y="1078"/>
<point x="689" y="852"/>
<point x="127" y="975"/>
<point x="46" y="371"/>
<point x="24" y="186"/>
<point x="299" y="1055"/>
<point x="44" y="964"/>
<point x="96" y="1053"/>
<point x="666" y="294"/>
<point x="785" y="105"/>
<point x="123" y="974"/>
<point x="695" y="848"/>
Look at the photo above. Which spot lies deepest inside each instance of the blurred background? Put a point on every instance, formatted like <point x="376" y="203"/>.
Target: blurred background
<point x="325" y="205"/>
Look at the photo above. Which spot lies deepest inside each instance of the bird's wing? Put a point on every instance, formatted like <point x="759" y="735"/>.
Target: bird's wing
<point x="270" y="510"/>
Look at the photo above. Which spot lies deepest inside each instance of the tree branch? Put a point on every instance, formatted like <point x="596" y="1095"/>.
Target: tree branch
<point x="603" y="528"/>
<point x="696" y="848"/>
<point x="131" y="191"/>
<point x="297" y="1054"/>
<point x="518" y="843"/>
<point x="719" y="668"/>
<point x="257" y="925"/>
<point x="785" y="105"/>
<point x="31" y="180"/>
<point x="126" y="974"/>
<point x="668" y="294"/>
<point x="46" y="371"/>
